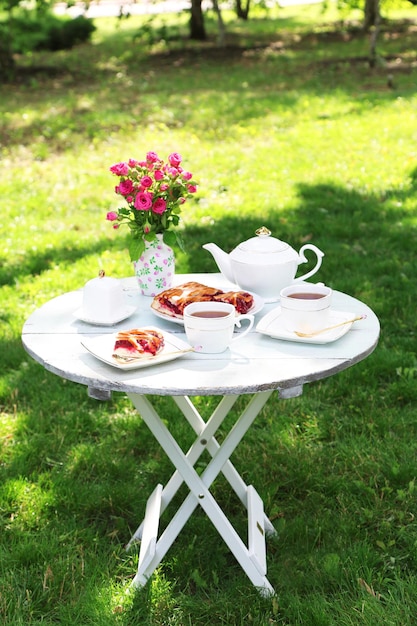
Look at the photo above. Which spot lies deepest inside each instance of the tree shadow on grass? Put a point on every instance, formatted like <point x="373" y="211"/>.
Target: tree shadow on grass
<point x="369" y="240"/>
<point x="34" y="263"/>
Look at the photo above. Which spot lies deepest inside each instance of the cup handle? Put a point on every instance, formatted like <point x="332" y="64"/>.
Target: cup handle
<point x="238" y="320"/>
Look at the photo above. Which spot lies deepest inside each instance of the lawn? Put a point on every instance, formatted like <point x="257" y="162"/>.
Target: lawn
<point x="287" y="127"/>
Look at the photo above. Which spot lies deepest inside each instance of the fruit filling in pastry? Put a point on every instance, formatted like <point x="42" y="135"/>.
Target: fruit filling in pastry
<point x="241" y="300"/>
<point x="173" y="301"/>
<point x="138" y="343"/>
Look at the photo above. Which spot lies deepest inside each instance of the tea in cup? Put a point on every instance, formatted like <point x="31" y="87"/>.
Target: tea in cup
<point x="305" y="308"/>
<point x="210" y="326"/>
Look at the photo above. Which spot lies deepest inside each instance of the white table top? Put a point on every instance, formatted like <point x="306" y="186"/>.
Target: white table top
<point x="52" y="336"/>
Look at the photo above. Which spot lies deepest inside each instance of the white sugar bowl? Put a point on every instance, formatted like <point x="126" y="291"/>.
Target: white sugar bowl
<point x="103" y="300"/>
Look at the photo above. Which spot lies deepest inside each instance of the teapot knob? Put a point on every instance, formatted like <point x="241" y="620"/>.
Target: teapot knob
<point x="263" y="231"/>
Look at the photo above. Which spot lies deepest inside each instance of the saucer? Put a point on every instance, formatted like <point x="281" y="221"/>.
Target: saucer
<point x="272" y="325"/>
<point x="122" y="315"/>
<point x="102" y="348"/>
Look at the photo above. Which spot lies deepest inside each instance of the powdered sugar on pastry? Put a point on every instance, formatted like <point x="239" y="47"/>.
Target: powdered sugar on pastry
<point x="137" y="343"/>
<point x="172" y="301"/>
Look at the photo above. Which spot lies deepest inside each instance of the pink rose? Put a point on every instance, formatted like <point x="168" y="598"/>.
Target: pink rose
<point x="143" y="201"/>
<point x="146" y="181"/>
<point x="172" y="171"/>
<point x="112" y="216"/>
<point x="152" y="157"/>
<point x="120" y="169"/>
<point x="125" y="187"/>
<point x="186" y="175"/>
<point x="133" y="162"/>
<point x="158" y="175"/>
<point x="192" y="188"/>
<point x="116" y="226"/>
<point x="146" y="228"/>
<point x="159" y="206"/>
<point x="175" y="159"/>
<point x="164" y="187"/>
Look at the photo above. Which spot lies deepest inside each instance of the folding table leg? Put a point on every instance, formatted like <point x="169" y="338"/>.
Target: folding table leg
<point x="206" y="432"/>
<point x="199" y="488"/>
<point x="228" y="470"/>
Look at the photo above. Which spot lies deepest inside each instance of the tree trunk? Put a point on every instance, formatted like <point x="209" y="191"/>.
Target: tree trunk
<point x="375" y="28"/>
<point x="371" y="14"/>
<point x="243" y="11"/>
<point x="222" y="30"/>
<point x="7" y="65"/>
<point x="197" y="28"/>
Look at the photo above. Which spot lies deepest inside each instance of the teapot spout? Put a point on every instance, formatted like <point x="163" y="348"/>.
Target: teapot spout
<point x="222" y="259"/>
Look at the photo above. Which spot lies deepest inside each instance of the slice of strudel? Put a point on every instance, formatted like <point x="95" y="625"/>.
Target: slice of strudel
<point x="137" y="343"/>
<point x="172" y="302"/>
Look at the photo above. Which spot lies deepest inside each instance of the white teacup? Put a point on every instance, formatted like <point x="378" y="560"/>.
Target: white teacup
<point x="209" y="326"/>
<point x="305" y="308"/>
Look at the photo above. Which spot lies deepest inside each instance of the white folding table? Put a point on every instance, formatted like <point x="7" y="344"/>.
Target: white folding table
<point x="256" y="367"/>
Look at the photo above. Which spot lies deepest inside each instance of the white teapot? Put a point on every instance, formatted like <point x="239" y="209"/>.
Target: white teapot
<point x="263" y="264"/>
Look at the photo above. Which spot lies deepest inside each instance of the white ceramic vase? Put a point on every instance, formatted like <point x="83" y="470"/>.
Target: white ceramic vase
<point x="155" y="268"/>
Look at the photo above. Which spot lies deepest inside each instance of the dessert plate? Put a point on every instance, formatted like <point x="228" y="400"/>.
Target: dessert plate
<point x="272" y="325"/>
<point x="129" y="310"/>
<point x="102" y="348"/>
<point x="258" y="305"/>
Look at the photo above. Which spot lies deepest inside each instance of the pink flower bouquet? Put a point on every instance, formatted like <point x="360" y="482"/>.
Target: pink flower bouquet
<point x="154" y="192"/>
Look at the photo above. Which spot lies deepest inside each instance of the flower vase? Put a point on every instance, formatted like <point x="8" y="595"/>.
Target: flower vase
<point x="155" y="268"/>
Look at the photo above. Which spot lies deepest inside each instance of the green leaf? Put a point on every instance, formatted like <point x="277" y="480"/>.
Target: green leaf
<point x="136" y="248"/>
<point x="180" y="243"/>
<point x="169" y="238"/>
<point x="150" y="236"/>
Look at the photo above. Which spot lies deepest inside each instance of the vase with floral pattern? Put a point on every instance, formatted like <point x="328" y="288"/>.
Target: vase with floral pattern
<point x="155" y="268"/>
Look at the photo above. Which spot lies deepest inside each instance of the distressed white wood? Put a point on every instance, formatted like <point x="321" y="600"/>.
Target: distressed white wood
<point x="258" y="364"/>
<point x="52" y="336"/>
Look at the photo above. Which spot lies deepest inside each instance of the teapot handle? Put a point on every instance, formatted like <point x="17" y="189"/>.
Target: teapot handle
<point x="303" y="259"/>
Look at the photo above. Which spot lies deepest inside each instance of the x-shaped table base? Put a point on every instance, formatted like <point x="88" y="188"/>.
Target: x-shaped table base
<point x="252" y="558"/>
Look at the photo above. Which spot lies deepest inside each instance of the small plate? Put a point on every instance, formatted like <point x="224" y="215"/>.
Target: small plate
<point x="258" y="305"/>
<point x="102" y="348"/>
<point x="79" y="314"/>
<point x="272" y="325"/>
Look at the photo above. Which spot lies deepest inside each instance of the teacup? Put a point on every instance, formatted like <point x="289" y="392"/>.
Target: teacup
<point x="209" y="326"/>
<point x="306" y="307"/>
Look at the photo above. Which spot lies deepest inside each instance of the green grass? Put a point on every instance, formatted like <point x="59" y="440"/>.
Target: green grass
<point x="288" y="127"/>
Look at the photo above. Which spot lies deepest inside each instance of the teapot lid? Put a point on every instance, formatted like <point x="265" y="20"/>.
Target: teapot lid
<point x="263" y="249"/>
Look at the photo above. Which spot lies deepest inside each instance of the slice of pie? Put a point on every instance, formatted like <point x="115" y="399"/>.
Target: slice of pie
<point x="241" y="300"/>
<point x="137" y="343"/>
<point x="172" y="301"/>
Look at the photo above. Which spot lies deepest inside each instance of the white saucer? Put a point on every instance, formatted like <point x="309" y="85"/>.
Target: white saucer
<point x="272" y="325"/>
<point x="129" y="310"/>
